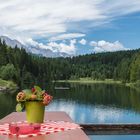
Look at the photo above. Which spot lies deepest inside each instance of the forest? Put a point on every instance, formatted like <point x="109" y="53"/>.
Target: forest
<point x="26" y="69"/>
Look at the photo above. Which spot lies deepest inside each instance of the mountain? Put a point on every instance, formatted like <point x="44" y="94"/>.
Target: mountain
<point x="11" y="43"/>
<point x="33" y="49"/>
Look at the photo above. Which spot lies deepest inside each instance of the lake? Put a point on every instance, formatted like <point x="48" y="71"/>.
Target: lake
<point x="90" y="103"/>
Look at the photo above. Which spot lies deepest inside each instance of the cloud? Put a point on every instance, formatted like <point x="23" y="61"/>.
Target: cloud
<point x="104" y="46"/>
<point x="54" y="46"/>
<point x="119" y="7"/>
<point x="93" y="43"/>
<point x="67" y="36"/>
<point x="83" y="41"/>
<point x="53" y="20"/>
<point x="63" y="47"/>
<point x="35" y="44"/>
<point x="45" y="18"/>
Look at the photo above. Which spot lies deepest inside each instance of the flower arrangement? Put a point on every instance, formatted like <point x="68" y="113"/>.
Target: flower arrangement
<point x="34" y="94"/>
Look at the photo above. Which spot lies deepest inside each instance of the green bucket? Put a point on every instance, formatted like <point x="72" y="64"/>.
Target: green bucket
<point x="34" y="111"/>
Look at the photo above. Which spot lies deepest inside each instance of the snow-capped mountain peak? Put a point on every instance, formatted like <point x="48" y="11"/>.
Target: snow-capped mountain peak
<point x="32" y="49"/>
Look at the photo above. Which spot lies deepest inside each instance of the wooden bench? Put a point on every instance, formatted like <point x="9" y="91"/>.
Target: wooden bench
<point x="76" y="134"/>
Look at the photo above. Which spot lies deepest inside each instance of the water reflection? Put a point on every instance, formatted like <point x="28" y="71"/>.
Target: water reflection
<point x="98" y="103"/>
<point x="101" y="94"/>
<point x="82" y="113"/>
<point x="7" y="104"/>
<point x="88" y="103"/>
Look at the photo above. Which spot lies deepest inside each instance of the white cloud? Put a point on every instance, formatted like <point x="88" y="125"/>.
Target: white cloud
<point x="45" y="18"/>
<point x="67" y="36"/>
<point x="30" y="42"/>
<point x="104" y="46"/>
<point x="63" y="47"/>
<point x="66" y="19"/>
<point x="83" y="41"/>
<point x="93" y="43"/>
<point x="54" y="46"/>
<point x="121" y="7"/>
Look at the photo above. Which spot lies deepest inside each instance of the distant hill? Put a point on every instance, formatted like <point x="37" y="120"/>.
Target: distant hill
<point x="11" y="43"/>
<point x="32" y="49"/>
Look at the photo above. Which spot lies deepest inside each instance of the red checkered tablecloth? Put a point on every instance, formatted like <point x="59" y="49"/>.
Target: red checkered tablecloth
<point x="47" y="127"/>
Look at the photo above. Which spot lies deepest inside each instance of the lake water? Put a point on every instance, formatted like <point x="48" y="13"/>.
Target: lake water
<point x="90" y="103"/>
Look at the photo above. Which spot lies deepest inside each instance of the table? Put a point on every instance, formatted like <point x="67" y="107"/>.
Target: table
<point x="76" y="134"/>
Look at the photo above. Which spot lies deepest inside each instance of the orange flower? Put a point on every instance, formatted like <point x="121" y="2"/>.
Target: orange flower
<point x="20" y="96"/>
<point x="33" y="97"/>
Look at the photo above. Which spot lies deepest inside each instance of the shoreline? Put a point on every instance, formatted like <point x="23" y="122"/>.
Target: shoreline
<point x="106" y="81"/>
<point x="7" y="86"/>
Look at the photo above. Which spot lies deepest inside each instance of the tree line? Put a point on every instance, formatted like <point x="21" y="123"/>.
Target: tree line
<point x="27" y="69"/>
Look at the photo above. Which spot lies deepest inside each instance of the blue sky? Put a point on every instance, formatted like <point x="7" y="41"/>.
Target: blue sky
<point x="72" y="26"/>
<point x="126" y="29"/>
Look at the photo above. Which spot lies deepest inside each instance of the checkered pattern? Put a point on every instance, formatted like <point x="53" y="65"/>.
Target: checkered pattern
<point x="47" y="127"/>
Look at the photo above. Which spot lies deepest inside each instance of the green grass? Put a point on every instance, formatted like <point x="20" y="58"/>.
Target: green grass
<point x="135" y="85"/>
<point x="89" y="80"/>
<point x="7" y="84"/>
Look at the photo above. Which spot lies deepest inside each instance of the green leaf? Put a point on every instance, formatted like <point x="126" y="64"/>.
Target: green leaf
<point x="37" y="88"/>
<point x="39" y="97"/>
<point x="27" y="91"/>
<point x="19" y="107"/>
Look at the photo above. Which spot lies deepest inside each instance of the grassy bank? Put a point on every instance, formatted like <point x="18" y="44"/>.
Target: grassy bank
<point x="7" y="85"/>
<point x="135" y="85"/>
<point x="89" y="80"/>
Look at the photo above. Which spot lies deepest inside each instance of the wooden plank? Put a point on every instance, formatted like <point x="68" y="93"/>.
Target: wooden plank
<point x="55" y="116"/>
<point x="111" y="129"/>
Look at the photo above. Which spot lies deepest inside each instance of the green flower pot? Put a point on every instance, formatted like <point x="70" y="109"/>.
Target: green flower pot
<point x="34" y="111"/>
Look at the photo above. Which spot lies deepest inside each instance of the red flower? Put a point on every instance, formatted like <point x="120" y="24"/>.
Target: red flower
<point x="47" y="99"/>
<point x="33" y="89"/>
